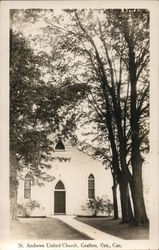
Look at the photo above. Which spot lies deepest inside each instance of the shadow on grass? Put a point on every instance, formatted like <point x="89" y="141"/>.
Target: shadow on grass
<point x="116" y="227"/>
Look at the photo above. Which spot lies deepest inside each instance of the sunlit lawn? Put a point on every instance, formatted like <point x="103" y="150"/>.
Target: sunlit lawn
<point x="44" y="228"/>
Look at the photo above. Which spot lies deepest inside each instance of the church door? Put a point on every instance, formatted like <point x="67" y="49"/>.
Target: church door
<point x="59" y="199"/>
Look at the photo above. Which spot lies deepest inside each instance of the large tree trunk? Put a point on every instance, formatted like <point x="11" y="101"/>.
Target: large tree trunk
<point x="115" y="201"/>
<point x="13" y="198"/>
<point x="136" y="186"/>
<point x="13" y="189"/>
<point x="126" y="209"/>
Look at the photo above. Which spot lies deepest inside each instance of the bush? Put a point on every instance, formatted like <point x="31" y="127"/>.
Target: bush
<point x="26" y="208"/>
<point x="100" y="205"/>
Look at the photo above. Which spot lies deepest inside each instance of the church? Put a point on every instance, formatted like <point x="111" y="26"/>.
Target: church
<point x="74" y="182"/>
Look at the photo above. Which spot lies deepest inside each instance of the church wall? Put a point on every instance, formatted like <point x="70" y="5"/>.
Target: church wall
<point x="74" y="175"/>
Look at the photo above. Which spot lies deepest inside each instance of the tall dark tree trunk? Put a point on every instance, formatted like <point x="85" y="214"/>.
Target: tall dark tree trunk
<point x="13" y="188"/>
<point x="13" y="198"/>
<point x="126" y="209"/>
<point x="115" y="201"/>
<point x="136" y="184"/>
<point x="136" y="187"/>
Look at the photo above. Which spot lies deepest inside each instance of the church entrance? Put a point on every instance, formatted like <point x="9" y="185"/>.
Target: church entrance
<point x="59" y="199"/>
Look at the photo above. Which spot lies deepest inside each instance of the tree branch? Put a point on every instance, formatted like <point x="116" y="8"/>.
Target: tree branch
<point x="145" y="92"/>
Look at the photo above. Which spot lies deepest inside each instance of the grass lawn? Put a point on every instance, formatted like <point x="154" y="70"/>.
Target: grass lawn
<point x="116" y="228"/>
<point x="44" y="228"/>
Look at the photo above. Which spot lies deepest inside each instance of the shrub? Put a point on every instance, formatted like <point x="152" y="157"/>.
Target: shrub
<point x="100" y="205"/>
<point x="26" y="208"/>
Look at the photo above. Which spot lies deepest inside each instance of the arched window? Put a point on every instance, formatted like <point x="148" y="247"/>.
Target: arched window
<point x="60" y="145"/>
<point x="27" y="187"/>
<point x="59" y="185"/>
<point x="91" y="186"/>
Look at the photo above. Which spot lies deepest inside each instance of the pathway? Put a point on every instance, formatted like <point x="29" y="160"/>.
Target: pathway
<point x="85" y="229"/>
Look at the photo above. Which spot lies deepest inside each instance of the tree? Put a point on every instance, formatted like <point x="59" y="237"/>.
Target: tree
<point x="37" y="108"/>
<point x="29" y="146"/>
<point x="133" y="25"/>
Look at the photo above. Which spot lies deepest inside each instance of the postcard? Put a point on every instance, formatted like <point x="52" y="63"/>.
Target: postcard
<point x="79" y="125"/>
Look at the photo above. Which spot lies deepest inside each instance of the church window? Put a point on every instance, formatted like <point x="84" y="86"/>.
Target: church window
<point x="60" y="145"/>
<point x="59" y="185"/>
<point x="91" y="186"/>
<point x="27" y="187"/>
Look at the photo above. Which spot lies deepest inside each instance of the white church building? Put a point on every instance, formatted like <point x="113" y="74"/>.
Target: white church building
<point x="75" y="182"/>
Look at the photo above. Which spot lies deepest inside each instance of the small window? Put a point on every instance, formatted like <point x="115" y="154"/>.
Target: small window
<point x="91" y="187"/>
<point x="59" y="185"/>
<point x="27" y="187"/>
<point x="60" y="145"/>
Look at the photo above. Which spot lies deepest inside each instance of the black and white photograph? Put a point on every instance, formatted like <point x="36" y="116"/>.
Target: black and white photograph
<point x="80" y="131"/>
